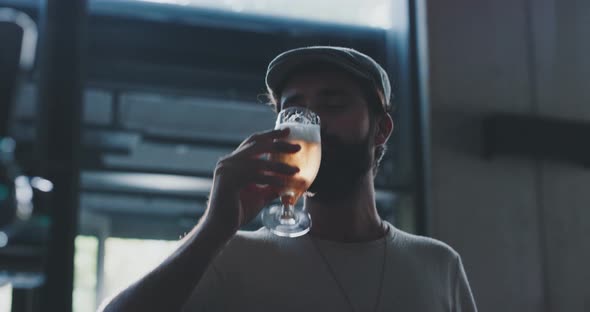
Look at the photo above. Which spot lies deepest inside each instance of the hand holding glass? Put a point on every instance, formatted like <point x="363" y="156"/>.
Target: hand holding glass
<point x="286" y="219"/>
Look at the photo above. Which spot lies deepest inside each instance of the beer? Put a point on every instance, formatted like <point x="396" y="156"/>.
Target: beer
<point x="307" y="159"/>
<point x="288" y="220"/>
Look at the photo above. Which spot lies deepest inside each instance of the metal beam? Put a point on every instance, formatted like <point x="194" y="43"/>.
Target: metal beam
<point x="59" y="116"/>
<point x="418" y="76"/>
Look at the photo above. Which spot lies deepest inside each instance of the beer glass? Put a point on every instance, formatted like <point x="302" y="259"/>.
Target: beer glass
<point x="287" y="219"/>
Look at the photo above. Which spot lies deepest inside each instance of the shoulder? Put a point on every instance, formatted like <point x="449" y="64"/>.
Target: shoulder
<point x="248" y="243"/>
<point x="424" y="249"/>
<point x="251" y="239"/>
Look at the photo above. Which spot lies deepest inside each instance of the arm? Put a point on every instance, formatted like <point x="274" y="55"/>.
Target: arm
<point x="242" y="184"/>
<point x="168" y="286"/>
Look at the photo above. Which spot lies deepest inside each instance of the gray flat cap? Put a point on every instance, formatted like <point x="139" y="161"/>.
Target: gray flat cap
<point x="350" y="60"/>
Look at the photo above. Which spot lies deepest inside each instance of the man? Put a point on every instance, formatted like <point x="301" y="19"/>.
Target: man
<point x="351" y="260"/>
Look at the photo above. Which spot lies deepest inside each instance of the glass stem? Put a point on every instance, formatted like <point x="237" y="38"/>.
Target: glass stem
<point x="287" y="211"/>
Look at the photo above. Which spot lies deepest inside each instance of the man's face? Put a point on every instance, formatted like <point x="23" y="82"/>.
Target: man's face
<point x="347" y="134"/>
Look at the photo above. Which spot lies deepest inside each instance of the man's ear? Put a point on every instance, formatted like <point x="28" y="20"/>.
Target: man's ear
<point x="384" y="129"/>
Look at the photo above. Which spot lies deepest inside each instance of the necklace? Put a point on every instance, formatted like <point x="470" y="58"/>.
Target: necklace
<point x="341" y="287"/>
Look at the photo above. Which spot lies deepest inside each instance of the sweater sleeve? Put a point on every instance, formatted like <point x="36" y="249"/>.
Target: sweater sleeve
<point x="208" y="295"/>
<point x="463" y="298"/>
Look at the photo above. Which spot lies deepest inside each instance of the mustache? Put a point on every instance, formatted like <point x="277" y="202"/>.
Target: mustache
<point x="337" y="154"/>
<point x="331" y="143"/>
<point x="341" y="166"/>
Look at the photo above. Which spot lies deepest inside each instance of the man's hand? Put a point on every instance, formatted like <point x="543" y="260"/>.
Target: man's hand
<point x="244" y="183"/>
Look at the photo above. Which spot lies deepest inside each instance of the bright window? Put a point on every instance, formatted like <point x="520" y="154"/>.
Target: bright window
<point x="126" y="260"/>
<point x="372" y="13"/>
<point x="84" y="296"/>
<point x="5" y="297"/>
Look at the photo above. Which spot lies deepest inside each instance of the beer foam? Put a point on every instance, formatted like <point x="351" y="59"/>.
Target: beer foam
<point x="309" y="133"/>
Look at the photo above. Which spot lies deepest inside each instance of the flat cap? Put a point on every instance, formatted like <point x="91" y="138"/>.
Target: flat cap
<point x="350" y="60"/>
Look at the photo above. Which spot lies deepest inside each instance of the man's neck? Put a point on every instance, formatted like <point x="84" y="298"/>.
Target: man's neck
<point x="348" y="216"/>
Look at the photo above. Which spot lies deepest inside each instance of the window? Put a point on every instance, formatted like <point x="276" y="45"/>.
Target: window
<point x="85" y="274"/>
<point x="371" y="13"/>
<point x="5" y="297"/>
<point x="122" y="266"/>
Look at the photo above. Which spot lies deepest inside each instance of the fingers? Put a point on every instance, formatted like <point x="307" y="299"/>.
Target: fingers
<point x="269" y="135"/>
<point x="266" y="168"/>
<point x="274" y="167"/>
<point x="282" y="147"/>
<point x="259" y="171"/>
<point x="271" y="180"/>
<point x="259" y="148"/>
<point x="244" y="165"/>
<point x="266" y="193"/>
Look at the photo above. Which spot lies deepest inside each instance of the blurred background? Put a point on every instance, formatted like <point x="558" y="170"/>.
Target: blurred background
<point x="125" y="106"/>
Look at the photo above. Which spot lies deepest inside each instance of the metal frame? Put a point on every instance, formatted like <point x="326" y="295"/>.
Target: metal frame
<point x="59" y="125"/>
<point x="421" y="113"/>
<point x="406" y="57"/>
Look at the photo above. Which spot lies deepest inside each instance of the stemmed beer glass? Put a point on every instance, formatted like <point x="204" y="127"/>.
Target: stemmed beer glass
<point x="286" y="219"/>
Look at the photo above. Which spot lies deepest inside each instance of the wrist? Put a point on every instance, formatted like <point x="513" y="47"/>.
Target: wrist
<point x="218" y="228"/>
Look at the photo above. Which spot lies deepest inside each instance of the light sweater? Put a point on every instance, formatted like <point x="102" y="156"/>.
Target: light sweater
<point x="258" y="271"/>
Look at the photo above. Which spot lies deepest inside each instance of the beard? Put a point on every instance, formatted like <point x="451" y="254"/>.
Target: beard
<point x="342" y="167"/>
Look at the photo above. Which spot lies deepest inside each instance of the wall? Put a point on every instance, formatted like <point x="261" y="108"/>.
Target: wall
<point x="521" y="225"/>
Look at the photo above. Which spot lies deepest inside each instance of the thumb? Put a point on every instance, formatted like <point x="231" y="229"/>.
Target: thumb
<point x="269" y="193"/>
<point x="254" y="198"/>
<point x="261" y="193"/>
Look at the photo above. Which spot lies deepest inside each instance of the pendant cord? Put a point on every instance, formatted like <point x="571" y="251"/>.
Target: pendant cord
<point x="341" y="287"/>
